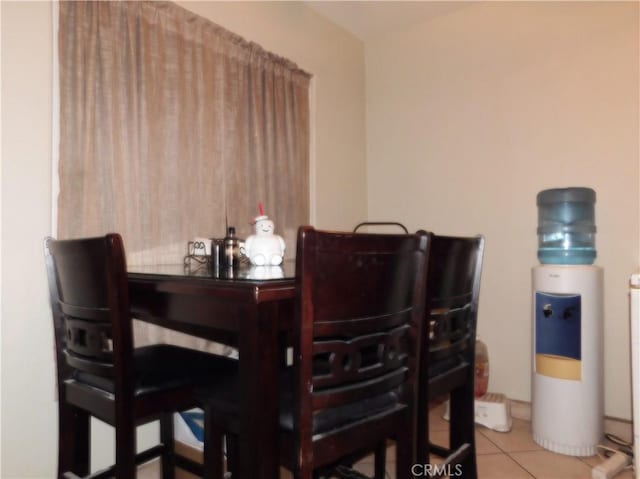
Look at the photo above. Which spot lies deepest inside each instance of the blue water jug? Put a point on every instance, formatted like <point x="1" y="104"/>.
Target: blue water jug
<point x="566" y="227"/>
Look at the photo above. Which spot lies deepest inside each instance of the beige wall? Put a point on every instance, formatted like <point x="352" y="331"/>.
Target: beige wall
<point x="28" y="377"/>
<point x="336" y="59"/>
<point x="469" y="115"/>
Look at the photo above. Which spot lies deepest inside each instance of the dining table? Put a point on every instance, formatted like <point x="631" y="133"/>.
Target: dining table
<point x="250" y="308"/>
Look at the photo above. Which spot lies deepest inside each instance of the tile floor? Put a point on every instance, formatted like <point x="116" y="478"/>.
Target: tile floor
<point x="512" y="455"/>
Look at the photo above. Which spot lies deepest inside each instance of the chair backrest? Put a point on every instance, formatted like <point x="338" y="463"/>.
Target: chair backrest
<point x="90" y="305"/>
<point x="360" y="311"/>
<point x="453" y="285"/>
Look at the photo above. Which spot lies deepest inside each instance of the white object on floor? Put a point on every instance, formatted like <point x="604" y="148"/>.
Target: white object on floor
<point x="183" y="433"/>
<point x="611" y="467"/>
<point x="493" y="410"/>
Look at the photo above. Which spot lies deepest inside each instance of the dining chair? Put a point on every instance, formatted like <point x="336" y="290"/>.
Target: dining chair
<point x="447" y="360"/>
<point x="447" y="354"/>
<point x="359" y="313"/>
<point x="100" y="373"/>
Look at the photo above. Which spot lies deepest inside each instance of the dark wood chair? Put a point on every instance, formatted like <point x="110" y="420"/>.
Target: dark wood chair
<point x="447" y="362"/>
<point x="99" y="371"/>
<point x="359" y="314"/>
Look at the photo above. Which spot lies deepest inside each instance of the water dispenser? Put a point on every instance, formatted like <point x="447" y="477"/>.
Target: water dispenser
<point x="567" y="401"/>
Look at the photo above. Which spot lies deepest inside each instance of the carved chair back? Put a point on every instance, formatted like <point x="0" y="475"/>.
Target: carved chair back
<point x="360" y="309"/>
<point x="90" y="304"/>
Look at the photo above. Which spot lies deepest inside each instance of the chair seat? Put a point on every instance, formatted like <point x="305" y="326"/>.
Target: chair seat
<point x="225" y="400"/>
<point x="163" y="367"/>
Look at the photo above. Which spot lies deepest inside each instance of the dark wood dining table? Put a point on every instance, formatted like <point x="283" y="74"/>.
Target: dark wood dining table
<point x="250" y="308"/>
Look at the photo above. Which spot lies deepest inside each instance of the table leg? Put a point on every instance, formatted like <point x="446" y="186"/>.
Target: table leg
<point x="259" y="370"/>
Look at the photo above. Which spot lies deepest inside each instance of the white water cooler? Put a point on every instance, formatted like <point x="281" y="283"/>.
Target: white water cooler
<point x="567" y="382"/>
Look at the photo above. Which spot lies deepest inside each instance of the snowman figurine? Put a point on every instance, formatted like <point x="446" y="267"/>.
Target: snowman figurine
<point x="264" y="248"/>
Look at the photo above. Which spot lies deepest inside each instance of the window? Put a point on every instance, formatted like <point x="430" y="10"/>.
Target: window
<point x="172" y="127"/>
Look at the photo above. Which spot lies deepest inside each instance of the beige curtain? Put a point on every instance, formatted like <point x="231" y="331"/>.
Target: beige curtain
<point x="171" y="126"/>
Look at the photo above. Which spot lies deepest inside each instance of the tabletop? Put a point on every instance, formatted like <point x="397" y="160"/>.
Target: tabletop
<point x="245" y="272"/>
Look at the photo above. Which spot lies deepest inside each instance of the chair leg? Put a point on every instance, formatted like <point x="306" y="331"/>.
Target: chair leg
<point x="404" y="452"/>
<point x="213" y="435"/>
<point x="470" y="465"/>
<point x="462" y="426"/>
<point x="168" y="443"/>
<point x="125" y="467"/>
<point x="74" y="440"/>
<point x="380" y="460"/>
<point x="232" y="454"/>
<point x="422" y="433"/>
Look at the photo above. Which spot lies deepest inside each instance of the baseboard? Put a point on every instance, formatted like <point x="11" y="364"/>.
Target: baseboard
<point x="520" y="409"/>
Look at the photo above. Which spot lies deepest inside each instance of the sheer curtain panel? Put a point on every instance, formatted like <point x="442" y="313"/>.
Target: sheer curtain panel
<point x="170" y="126"/>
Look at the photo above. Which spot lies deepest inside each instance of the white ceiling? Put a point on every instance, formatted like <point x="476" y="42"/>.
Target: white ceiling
<point x="368" y="19"/>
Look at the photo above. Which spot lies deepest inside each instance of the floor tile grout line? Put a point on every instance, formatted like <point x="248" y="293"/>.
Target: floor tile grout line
<point x="568" y="456"/>
<point x="522" y="466"/>
<point x="482" y="430"/>
<point x="512" y="459"/>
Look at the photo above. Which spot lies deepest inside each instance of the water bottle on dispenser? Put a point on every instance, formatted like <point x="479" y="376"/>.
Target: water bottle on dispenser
<point x="566" y="228"/>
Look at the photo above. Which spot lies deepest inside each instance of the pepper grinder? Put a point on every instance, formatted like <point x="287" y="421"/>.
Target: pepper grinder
<point x="230" y="249"/>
